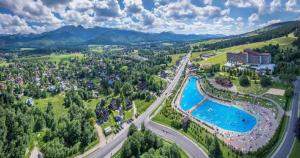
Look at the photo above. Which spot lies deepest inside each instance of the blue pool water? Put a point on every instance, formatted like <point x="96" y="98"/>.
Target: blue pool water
<point x="226" y="117"/>
<point x="190" y="96"/>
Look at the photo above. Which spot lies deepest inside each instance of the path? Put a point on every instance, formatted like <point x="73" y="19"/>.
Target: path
<point x="35" y="152"/>
<point x="286" y="145"/>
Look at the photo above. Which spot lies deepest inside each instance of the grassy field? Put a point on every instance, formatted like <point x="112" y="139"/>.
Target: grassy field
<point x="142" y="105"/>
<point x="296" y="149"/>
<point x="61" y="57"/>
<point x="220" y="58"/>
<point x="175" y="58"/>
<point x="57" y="102"/>
<point x="55" y="57"/>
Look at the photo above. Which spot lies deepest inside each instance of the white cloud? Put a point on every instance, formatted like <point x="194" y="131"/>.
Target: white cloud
<point x="12" y="24"/>
<point x="275" y="5"/>
<point x="31" y="10"/>
<point x="253" y="18"/>
<point x="291" y="5"/>
<point x="259" y="4"/>
<point x="208" y="2"/>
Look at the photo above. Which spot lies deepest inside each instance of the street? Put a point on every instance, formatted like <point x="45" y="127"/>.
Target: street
<point x="287" y="144"/>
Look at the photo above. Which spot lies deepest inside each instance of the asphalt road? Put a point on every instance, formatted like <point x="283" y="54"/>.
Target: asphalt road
<point x="183" y="142"/>
<point x="192" y="149"/>
<point x="284" y="149"/>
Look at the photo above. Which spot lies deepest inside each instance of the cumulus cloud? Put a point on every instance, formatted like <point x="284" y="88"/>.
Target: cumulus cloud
<point x="31" y="10"/>
<point x="291" y="5"/>
<point x="275" y="5"/>
<point x="185" y="10"/>
<point x="259" y="4"/>
<point x="12" y="24"/>
<point x="253" y="18"/>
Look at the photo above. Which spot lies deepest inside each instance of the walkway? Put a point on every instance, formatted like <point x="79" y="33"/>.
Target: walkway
<point x="197" y="105"/>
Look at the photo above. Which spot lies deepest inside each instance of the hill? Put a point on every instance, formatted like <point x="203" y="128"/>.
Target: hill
<point x="263" y="34"/>
<point x="77" y="35"/>
<point x="220" y="54"/>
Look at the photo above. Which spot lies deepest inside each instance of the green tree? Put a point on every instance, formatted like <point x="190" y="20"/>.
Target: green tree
<point x="54" y="149"/>
<point x="265" y="81"/>
<point x="132" y="130"/>
<point x="244" y="81"/>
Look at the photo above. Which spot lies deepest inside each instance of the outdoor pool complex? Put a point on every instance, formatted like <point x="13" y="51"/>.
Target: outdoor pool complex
<point x="223" y="116"/>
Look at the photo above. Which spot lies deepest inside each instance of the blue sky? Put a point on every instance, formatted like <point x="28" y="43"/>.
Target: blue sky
<point x="179" y="16"/>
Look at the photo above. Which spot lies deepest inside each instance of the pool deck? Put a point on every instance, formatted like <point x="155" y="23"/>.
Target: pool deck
<point x="266" y="123"/>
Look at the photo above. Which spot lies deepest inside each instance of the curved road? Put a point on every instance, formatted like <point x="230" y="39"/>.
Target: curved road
<point x="113" y="146"/>
<point x="286" y="145"/>
<point x="192" y="149"/>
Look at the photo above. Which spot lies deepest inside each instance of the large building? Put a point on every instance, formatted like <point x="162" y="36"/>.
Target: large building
<point x="249" y="57"/>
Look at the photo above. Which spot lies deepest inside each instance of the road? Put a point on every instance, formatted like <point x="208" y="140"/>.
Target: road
<point x="192" y="149"/>
<point x="286" y="145"/>
<point x="183" y="142"/>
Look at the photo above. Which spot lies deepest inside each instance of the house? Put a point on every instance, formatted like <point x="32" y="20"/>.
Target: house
<point x="29" y="101"/>
<point x="102" y="114"/>
<point x="115" y="104"/>
<point x="249" y="57"/>
<point x="128" y="104"/>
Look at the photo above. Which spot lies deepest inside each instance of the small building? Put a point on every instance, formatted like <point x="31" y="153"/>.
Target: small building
<point x="107" y="131"/>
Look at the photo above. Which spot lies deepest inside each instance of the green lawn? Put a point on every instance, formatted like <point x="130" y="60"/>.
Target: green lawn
<point x="220" y="58"/>
<point x="55" y="57"/>
<point x="142" y="105"/>
<point x="254" y="88"/>
<point x="296" y="149"/>
<point x="57" y="102"/>
<point x="59" y="57"/>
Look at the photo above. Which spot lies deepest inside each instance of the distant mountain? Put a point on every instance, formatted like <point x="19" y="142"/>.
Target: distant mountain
<point x="77" y="35"/>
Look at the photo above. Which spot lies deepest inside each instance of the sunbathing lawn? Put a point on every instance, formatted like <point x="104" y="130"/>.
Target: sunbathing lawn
<point x="295" y="153"/>
<point x="253" y="88"/>
<point x="142" y="105"/>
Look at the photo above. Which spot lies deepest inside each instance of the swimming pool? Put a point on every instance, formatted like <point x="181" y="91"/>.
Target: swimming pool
<point x="214" y="113"/>
<point x="190" y="95"/>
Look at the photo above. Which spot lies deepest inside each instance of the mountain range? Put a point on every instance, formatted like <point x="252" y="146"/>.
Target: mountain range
<point x="77" y="35"/>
